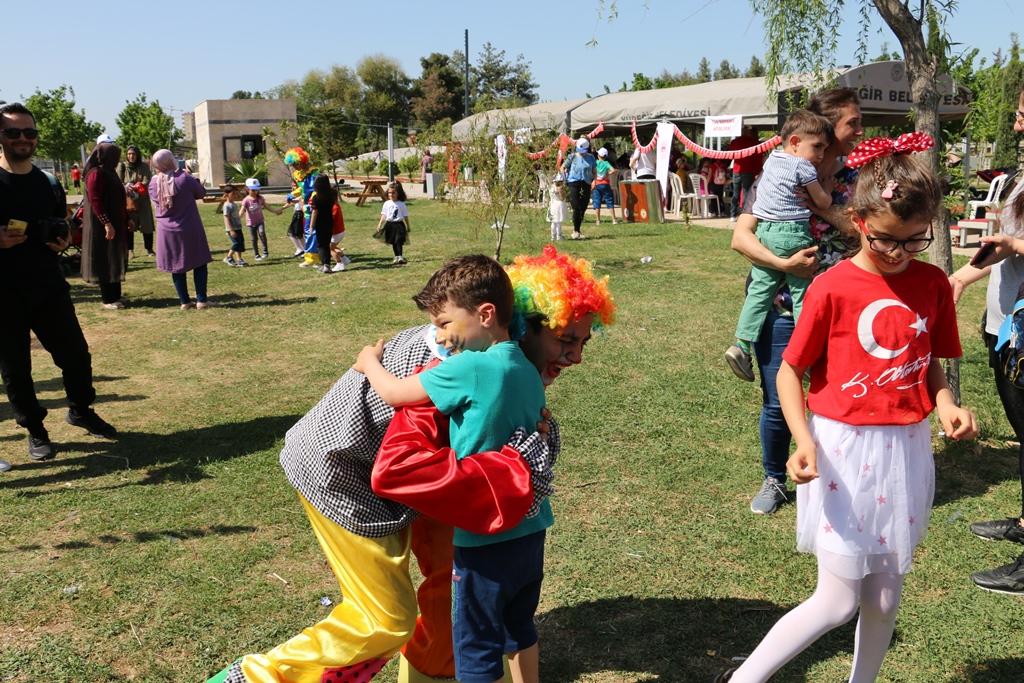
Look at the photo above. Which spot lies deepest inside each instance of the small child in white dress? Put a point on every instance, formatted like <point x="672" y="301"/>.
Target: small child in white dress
<point x="558" y="210"/>
<point x="872" y="331"/>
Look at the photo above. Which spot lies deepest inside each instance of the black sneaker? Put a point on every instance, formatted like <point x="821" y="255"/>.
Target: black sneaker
<point x="1007" y="579"/>
<point x="740" y="362"/>
<point x="91" y="422"/>
<point x="39" y="447"/>
<point x="1008" y="529"/>
<point x="724" y="677"/>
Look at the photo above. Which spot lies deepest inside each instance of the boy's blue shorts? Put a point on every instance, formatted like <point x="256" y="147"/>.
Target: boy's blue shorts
<point x="237" y="243"/>
<point x="603" y="192"/>
<point x="495" y="591"/>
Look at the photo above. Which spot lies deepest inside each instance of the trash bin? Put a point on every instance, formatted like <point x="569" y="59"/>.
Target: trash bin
<point x="641" y="201"/>
<point x="468" y="174"/>
<point x="434" y="181"/>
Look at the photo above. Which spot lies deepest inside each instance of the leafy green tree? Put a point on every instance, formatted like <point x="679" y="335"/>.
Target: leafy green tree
<point x="62" y="130"/>
<point x="704" y="71"/>
<point x="725" y="71"/>
<point x="439" y="92"/>
<point x="501" y="83"/>
<point x="641" y="82"/>
<point x="755" y="70"/>
<point x="146" y="125"/>
<point x="1007" y="145"/>
<point x="246" y="95"/>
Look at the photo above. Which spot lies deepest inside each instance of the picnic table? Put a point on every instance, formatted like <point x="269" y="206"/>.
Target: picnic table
<point x="371" y="188"/>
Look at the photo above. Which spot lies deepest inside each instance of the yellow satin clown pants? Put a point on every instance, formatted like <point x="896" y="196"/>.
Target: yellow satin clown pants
<point x="376" y="616"/>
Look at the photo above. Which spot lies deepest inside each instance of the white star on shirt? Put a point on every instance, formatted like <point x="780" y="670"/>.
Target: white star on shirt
<point x="921" y="325"/>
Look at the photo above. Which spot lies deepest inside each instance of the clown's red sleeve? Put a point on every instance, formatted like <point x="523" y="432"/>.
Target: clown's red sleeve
<point x="485" y="493"/>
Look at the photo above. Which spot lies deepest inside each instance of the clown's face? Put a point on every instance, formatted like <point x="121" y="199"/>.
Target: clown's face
<point x="551" y="352"/>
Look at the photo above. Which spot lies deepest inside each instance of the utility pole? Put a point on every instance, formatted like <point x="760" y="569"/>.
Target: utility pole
<point x="466" y="78"/>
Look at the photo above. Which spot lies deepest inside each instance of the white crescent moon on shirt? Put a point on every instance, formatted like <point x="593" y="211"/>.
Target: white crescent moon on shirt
<point x="866" y="332"/>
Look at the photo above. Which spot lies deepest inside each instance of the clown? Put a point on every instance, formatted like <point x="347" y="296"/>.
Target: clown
<point x="305" y="175"/>
<point x="367" y="533"/>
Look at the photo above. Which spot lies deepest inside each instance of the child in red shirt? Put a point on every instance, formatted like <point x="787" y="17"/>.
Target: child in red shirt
<point x="871" y="331"/>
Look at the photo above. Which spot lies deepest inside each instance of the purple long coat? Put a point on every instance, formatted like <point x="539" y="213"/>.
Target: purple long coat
<point x="181" y="237"/>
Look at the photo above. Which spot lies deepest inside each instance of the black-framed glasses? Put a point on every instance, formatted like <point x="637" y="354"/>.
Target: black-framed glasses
<point x="885" y="245"/>
<point x="15" y="133"/>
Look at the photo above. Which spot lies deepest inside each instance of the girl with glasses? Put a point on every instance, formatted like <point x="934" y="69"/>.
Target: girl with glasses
<point x="871" y="332"/>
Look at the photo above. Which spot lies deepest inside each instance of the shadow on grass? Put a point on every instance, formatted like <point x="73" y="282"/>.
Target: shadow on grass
<point x="58" y="406"/>
<point x="178" y="457"/>
<point x="666" y="639"/>
<point x="962" y="473"/>
<point x="990" y="671"/>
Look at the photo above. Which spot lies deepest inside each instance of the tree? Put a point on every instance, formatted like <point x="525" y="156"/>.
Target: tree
<point x="641" y="82"/>
<point x="147" y="126"/>
<point x="439" y="92"/>
<point x="1007" y="145"/>
<point x="500" y="83"/>
<point x="725" y="71"/>
<point x="62" y="130"/>
<point x="246" y="95"/>
<point x="499" y="199"/>
<point x="385" y="96"/>
<point x="704" y="71"/>
<point x="755" y="70"/>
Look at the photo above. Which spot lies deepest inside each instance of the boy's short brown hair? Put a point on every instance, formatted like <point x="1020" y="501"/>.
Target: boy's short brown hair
<point x="468" y="282"/>
<point x="806" y="123"/>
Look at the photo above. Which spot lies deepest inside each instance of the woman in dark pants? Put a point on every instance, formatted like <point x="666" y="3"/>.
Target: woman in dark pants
<point x="105" y="225"/>
<point x="1006" y="283"/>
<point x="842" y="109"/>
<point x="579" y="174"/>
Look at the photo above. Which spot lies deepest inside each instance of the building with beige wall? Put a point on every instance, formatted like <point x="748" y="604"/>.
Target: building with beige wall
<point x="231" y="130"/>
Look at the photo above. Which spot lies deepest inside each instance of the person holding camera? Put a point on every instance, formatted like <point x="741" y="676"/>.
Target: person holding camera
<point x="36" y="297"/>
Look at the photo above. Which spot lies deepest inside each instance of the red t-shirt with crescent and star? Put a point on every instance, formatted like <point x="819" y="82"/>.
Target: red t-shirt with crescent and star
<point x="869" y="340"/>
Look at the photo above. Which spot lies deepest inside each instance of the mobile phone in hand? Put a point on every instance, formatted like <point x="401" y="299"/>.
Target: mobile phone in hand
<point x="983" y="253"/>
<point x="16" y="227"/>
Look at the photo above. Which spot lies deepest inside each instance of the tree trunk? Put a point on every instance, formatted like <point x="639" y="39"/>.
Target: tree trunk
<point x="922" y="70"/>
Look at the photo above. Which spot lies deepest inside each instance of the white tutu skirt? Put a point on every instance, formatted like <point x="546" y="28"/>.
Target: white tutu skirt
<point x="558" y="211"/>
<point x="870" y="505"/>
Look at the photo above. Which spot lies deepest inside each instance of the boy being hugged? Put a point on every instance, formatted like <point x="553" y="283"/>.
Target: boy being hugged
<point x="489" y="388"/>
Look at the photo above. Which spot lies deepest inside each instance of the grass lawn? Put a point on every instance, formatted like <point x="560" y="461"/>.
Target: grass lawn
<point x="167" y="554"/>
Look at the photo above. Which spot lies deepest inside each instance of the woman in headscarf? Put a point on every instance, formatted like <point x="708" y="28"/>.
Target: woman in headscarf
<point x="105" y="225"/>
<point x="131" y="171"/>
<point x="181" y="236"/>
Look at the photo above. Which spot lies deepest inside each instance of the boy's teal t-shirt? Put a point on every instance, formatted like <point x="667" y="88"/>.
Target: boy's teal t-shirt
<point x="488" y="394"/>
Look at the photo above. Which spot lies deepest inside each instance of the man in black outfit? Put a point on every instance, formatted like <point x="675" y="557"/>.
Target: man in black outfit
<point x="34" y="296"/>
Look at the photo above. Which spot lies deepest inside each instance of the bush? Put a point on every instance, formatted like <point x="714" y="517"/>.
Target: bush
<point x="409" y="165"/>
<point x="368" y="165"/>
<point x="240" y="171"/>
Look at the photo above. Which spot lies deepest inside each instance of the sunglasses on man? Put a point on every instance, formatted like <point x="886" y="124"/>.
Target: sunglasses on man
<point x="15" y="133"/>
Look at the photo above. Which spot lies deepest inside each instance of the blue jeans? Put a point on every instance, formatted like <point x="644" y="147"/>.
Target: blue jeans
<point x="199" y="276"/>
<point x="775" y="436"/>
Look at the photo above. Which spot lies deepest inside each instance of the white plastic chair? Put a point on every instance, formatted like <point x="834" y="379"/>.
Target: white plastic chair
<point x="545" y="181"/>
<point x="702" y="195"/>
<point x="991" y="200"/>
<point x="679" y="194"/>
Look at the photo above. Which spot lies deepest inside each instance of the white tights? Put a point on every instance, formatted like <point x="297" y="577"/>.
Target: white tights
<point x="834" y="603"/>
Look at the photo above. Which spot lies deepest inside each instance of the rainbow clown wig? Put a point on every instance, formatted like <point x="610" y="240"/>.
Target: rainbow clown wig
<point x="558" y="290"/>
<point x="296" y="156"/>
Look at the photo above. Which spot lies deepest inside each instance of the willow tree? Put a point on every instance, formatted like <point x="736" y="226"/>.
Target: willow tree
<point x="803" y="35"/>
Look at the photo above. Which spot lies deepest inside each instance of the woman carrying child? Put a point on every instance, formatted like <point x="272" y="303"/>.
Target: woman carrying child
<point x="394" y="220"/>
<point x="871" y="333"/>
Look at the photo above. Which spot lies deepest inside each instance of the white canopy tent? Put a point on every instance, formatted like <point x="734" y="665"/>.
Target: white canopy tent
<point x="537" y="117"/>
<point x="882" y="86"/>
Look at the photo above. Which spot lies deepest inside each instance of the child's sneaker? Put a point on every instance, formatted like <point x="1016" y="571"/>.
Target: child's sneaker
<point x="338" y="267"/>
<point x="230" y="261"/>
<point x="298" y="253"/>
<point x="614" y="222"/>
<point x="740" y="362"/>
<point x="266" y="255"/>
<point x="345" y="260"/>
<point x="241" y="263"/>
<point x="597" y="222"/>
<point x="259" y="258"/>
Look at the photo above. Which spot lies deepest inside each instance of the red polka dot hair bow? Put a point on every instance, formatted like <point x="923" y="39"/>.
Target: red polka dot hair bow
<point x="883" y="147"/>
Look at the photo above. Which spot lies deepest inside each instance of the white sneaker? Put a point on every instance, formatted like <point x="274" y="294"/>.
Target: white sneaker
<point x="597" y="222"/>
<point x="306" y="264"/>
<point x="259" y="258"/>
<point x="614" y="222"/>
<point x="346" y="260"/>
<point x="338" y="267"/>
<point x="400" y="260"/>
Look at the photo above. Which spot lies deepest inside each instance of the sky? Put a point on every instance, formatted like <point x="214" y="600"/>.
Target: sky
<point x="185" y="52"/>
